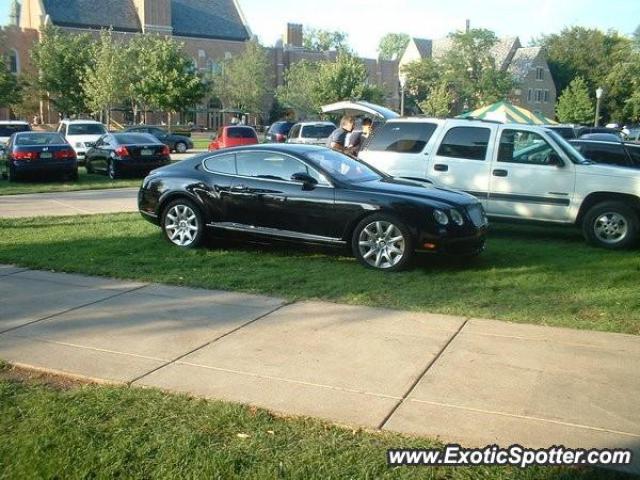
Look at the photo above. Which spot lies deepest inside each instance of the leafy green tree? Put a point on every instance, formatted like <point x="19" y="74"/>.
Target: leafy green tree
<point x="439" y="101"/>
<point x="575" y="105"/>
<point x="62" y="60"/>
<point x="9" y="87"/>
<point x="244" y="81"/>
<point x="324" y="40"/>
<point x="105" y="81"/>
<point x="421" y="78"/>
<point x="392" y="46"/>
<point x="161" y="75"/>
<point x="299" y="90"/>
<point x="469" y="68"/>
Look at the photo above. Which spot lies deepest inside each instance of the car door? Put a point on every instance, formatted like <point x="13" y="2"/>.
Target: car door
<point x="221" y="173"/>
<point x="462" y="159"/>
<point x="100" y="153"/>
<point x="400" y="148"/>
<point x="265" y="196"/>
<point x="530" y="177"/>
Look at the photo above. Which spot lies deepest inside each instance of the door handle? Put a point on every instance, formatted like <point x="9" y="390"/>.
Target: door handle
<point x="500" y="173"/>
<point x="441" y="167"/>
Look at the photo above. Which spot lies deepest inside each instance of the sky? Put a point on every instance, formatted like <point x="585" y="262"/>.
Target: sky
<point x="366" y="21"/>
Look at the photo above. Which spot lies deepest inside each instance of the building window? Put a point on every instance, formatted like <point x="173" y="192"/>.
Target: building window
<point x="546" y="96"/>
<point x="539" y="73"/>
<point x="201" y="54"/>
<point x="213" y="67"/>
<point x="529" y="95"/>
<point x="14" y="62"/>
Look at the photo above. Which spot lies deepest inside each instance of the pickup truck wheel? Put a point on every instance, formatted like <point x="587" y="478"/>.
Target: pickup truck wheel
<point x="382" y="242"/>
<point x="612" y="225"/>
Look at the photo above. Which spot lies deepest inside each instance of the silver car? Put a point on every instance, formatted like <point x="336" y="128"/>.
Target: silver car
<point x="311" y="133"/>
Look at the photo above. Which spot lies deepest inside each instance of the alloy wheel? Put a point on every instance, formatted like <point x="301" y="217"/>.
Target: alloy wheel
<point x="181" y="147"/>
<point x="611" y="228"/>
<point x="181" y="225"/>
<point x="382" y="244"/>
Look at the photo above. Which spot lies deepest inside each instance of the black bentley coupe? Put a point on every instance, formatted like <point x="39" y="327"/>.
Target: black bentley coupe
<point x="313" y="195"/>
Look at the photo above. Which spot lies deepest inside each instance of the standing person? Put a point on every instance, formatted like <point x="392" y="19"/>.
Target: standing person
<point x="338" y="139"/>
<point x="359" y="139"/>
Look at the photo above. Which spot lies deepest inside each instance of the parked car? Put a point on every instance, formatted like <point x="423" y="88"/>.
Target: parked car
<point x="278" y="132"/>
<point x="38" y="153"/>
<point x="582" y="131"/>
<point x="311" y="133"/>
<point x="609" y="152"/>
<point x="602" y="137"/>
<point x="9" y="127"/>
<point x="568" y="132"/>
<point x="176" y="143"/>
<point x="81" y="135"/>
<point x="120" y="154"/>
<point x="233" y="136"/>
<point x="311" y="194"/>
<point x="519" y="172"/>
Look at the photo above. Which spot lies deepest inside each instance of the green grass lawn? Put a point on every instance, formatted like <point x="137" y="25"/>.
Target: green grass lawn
<point x="537" y="275"/>
<point x="86" y="182"/>
<point x="201" y="143"/>
<point x="66" y="430"/>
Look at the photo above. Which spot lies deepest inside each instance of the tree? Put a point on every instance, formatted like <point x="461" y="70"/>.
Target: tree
<point x="324" y="40"/>
<point x="105" y="81"/>
<point x="162" y="75"/>
<point x="62" y="60"/>
<point x="392" y="46"/>
<point x="422" y="77"/>
<point x="244" y="81"/>
<point x="299" y="90"/>
<point x="575" y="104"/>
<point x="439" y="102"/>
<point x="9" y="87"/>
<point x="309" y="85"/>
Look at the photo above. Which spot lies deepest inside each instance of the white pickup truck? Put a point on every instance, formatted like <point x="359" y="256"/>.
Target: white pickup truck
<point x="517" y="171"/>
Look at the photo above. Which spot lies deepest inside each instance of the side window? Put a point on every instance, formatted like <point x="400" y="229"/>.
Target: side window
<point x="295" y="132"/>
<point x="469" y="143"/>
<point x="221" y="164"/>
<point x="402" y="137"/>
<point x="273" y="166"/>
<point x="635" y="155"/>
<point x="520" y="146"/>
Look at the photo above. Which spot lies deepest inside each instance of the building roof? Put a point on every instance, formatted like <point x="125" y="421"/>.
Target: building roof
<point x="217" y="19"/>
<point x="424" y="47"/>
<point x="121" y="15"/>
<point x="208" y="19"/>
<point x="501" y="51"/>
<point x="522" y="61"/>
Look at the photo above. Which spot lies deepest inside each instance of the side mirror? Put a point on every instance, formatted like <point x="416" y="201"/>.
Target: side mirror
<point x="307" y="180"/>
<point x="555" y="160"/>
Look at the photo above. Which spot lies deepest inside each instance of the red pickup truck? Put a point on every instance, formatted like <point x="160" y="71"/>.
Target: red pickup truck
<point x="235" y="136"/>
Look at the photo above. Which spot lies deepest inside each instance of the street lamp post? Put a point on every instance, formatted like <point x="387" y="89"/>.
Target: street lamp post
<point x="403" y="84"/>
<point x="599" y="93"/>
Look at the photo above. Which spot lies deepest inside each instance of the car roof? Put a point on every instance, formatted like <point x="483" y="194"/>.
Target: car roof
<point x="82" y="121"/>
<point x="13" y="122"/>
<point x="587" y="140"/>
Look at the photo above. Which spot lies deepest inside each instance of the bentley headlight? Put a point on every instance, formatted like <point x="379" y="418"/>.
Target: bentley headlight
<point x="440" y="217"/>
<point x="457" y="217"/>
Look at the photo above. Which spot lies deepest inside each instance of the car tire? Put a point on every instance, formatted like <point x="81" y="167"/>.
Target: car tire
<point x="74" y="176"/>
<point x="12" y="175"/>
<point x="611" y="225"/>
<point x="112" y="171"/>
<point x="181" y="147"/>
<point x="182" y="224"/>
<point x="383" y="242"/>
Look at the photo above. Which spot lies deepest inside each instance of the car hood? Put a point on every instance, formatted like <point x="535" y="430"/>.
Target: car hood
<point x="418" y="190"/>
<point x="600" y="169"/>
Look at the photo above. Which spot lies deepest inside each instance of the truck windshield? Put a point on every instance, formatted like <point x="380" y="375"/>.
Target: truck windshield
<point x="568" y="149"/>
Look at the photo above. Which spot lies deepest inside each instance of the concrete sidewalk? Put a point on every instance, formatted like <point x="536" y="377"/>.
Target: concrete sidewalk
<point x="476" y="382"/>
<point x="85" y="202"/>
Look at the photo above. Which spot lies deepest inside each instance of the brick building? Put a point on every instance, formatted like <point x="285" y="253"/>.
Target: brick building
<point x="211" y="30"/>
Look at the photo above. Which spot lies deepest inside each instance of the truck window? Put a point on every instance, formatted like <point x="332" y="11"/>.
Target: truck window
<point x="402" y="137"/>
<point x="469" y="143"/>
<point x="521" y="146"/>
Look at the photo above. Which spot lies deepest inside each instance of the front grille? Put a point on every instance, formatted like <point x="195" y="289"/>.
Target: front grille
<point x="477" y="214"/>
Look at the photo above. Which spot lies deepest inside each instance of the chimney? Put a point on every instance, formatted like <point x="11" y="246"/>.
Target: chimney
<point x="293" y="35"/>
<point x="468" y="26"/>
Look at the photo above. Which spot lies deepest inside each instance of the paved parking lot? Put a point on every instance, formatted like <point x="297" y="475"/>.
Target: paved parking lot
<point x="473" y="381"/>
